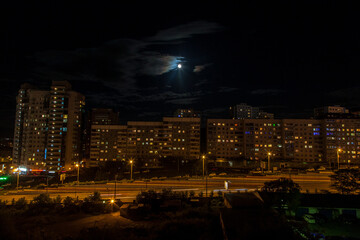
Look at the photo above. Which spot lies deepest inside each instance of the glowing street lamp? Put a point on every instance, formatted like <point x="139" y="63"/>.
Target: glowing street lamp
<point x="131" y="170"/>
<point x="17" y="181"/>
<point x="203" y="158"/>
<point x="269" y="154"/>
<point x="78" y="173"/>
<point x="338" y="157"/>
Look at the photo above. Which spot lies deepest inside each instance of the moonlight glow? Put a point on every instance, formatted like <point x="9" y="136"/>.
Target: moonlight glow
<point x="179" y="65"/>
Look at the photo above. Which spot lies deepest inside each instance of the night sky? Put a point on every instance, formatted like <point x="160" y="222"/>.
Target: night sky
<point x="286" y="57"/>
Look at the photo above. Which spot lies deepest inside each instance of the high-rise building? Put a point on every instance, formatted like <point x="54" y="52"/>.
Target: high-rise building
<point x="300" y="140"/>
<point x="331" y="112"/>
<point x="48" y="127"/>
<point x="341" y="135"/>
<point x="30" y="127"/>
<point x="107" y="144"/>
<point x="224" y="138"/>
<point x="244" y="111"/>
<point x="147" y="142"/>
<point x="104" y="116"/>
<point x="184" y="137"/>
<point x="97" y="116"/>
<point x="186" y="113"/>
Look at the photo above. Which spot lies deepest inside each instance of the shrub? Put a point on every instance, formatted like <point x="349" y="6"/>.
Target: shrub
<point x="192" y="194"/>
<point x="21" y="203"/>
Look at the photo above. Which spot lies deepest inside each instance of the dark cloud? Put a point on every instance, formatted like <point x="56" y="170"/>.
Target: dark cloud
<point x="186" y="31"/>
<point x="118" y="63"/>
<point x="200" y="68"/>
<point x="183" y="101"/>
<point x="227" y="89"/>
<point x="267" y="92"/>
<point x="201" y="82"/>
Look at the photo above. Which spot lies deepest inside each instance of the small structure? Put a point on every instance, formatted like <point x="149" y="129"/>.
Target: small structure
<point x="245" y="217"/>
<point x="330" y="206"/>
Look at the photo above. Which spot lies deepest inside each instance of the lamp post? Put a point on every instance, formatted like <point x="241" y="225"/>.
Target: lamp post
<point x="131" y="168"/>
<point x="203" y="158"/>
<point x="269" y="154"/>
<point x="338" y="157"/>
<point x="17" y="181"/>
<point x="78" y="173"/>
<point x="147" y="175"/>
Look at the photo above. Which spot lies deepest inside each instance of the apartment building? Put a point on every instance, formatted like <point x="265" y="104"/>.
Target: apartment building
<point x="48" y="127"/>
<point x="146" y="142"/>
<point x="301" y="140"/>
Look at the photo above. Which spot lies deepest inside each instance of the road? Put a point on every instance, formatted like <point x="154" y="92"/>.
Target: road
<point x="311" y="182"/>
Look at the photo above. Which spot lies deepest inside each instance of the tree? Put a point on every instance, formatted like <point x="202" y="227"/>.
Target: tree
<point x="285" y="193"/>
<point x="346" y="181"/>
<point x="284" y="185"/>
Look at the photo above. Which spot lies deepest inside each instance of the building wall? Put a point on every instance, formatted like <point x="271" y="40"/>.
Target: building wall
<point x="342" y="134"/>
<point x="224" y="138"/>
<point x="105" y="145"/>
<point x="146" y="142"/>
<point x="47" y="127"/>
<point x="22" y="102"/>
<point x="302" y="140"/>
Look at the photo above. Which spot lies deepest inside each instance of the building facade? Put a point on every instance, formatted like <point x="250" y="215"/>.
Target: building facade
<point x="48" y="127"/>
<point x="244" y="111"/>
<point x="146" y="142"/>
<point x="300" y="140"/>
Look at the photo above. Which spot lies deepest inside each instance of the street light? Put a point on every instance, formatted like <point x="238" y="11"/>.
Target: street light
<point x="17" y="181"/>
<point x="338" y="157"/>
<point x="269" y="154"/>
<point x="78" y="173"/>
<point x="147" y="175"/>
<point x="131" y="171"/>
<point x="203" y="158"/>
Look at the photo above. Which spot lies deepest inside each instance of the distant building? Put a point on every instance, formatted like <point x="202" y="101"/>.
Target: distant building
<point x="104" y="116"/>
<point x="48" y="127"/>
<point x="186" y="113"/>
<point x="244" y="111"/>
<point x="6" y="147"/>
<point x="331" y="112"/>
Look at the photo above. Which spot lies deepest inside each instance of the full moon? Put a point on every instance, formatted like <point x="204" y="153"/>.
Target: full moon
<point x="179" y="65"/>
